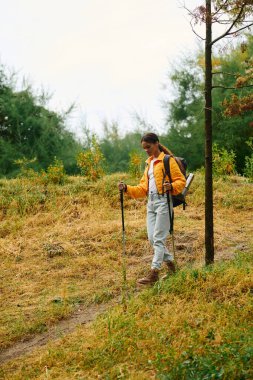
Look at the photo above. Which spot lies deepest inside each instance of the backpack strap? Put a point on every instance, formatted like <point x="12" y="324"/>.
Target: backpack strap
<point x="166" y="162"/>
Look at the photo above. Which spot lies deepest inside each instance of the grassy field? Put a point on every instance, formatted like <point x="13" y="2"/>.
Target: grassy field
<point x="60" y="249"/>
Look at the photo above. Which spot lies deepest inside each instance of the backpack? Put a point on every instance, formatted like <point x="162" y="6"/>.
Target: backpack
<point x="180" y="198"/>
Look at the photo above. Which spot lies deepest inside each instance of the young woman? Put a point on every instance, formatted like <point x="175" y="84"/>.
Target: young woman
<point x="154" y="184"/>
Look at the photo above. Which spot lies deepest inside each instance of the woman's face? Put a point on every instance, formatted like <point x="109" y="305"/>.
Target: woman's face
<point x="150" y="148"/>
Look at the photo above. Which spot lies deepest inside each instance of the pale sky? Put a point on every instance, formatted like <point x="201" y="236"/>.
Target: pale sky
<point x="110" y="57"/>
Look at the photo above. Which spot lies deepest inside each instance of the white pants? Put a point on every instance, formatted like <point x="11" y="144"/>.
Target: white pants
<point x="158" y="226"/>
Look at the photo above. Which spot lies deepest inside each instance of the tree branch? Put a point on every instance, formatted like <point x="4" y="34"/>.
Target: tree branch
<point x="232" y="88"/>
<point x="218" y="10"/>
<point x="223" y="72"/>
<point x="188" y="10"/>
<point x="193" y="17"/>
<point x="228" y="21"/>
<point x="203" y="39"/>
<point x="219" y="16"/>
<point x="239" y="30"/>
<point x="231" y="26"/>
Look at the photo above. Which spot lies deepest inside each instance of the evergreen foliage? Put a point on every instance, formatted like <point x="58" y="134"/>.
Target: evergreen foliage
<point x="28" y="129"/>
<point x="185" y="114"/>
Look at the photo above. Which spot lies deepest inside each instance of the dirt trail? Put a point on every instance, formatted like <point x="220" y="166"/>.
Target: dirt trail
<point x="80" y="317"/>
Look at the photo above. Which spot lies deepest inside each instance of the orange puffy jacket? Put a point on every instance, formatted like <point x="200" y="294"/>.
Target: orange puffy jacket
<point x="178" y="179"/>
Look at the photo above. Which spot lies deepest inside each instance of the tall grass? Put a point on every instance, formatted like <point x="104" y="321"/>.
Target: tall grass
<point x="63" y="242"/>
<point x="195" y="325"/>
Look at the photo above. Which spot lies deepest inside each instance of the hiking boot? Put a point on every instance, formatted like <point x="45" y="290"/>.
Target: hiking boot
<point x="171" y="266"/>
<point x="150" y="279"/>
<point x="171" y="269"/>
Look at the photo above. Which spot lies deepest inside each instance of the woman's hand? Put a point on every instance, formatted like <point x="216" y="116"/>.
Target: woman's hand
<point x="167" y="186"/>
<point x="122" y="186"/>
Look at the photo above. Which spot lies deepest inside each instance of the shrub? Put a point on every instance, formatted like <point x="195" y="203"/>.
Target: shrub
<point x="25" y="170"/>
<point x="223" y="161"/>
<point x="135" y="164"/>
<point x="55" y="173"/>
<point x="248" y="170"/>
<point x="91" y="161"/>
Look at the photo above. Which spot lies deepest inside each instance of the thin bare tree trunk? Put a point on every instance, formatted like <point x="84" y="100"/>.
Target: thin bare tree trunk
<point x="209" y="236"/>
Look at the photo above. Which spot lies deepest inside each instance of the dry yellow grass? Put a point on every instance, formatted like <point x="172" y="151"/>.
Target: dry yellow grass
<point x="199" y="318"/>
<point x="66" y="251"/>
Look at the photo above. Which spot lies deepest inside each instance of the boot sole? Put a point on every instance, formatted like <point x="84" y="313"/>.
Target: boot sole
<point x="146" y="284"/>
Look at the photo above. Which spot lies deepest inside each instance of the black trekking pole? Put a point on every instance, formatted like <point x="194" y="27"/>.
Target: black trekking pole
<point x="123" y="256"/>
<point x="171" y="213"/>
